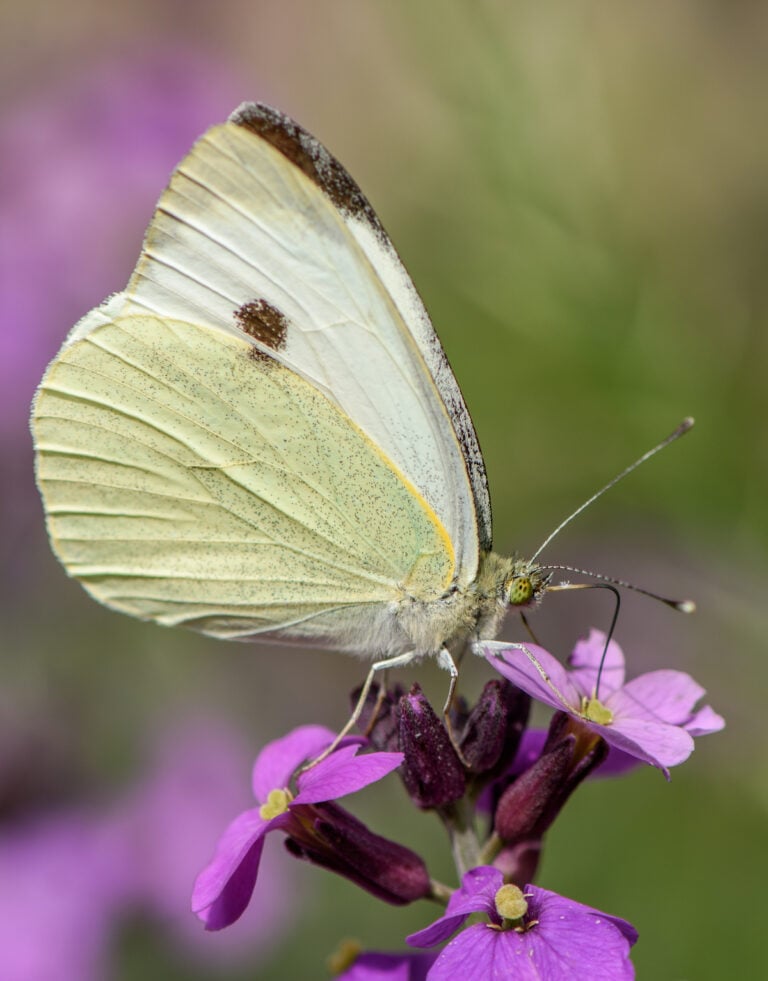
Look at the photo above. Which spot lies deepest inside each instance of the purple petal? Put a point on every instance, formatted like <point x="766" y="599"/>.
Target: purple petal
<point x="585" y="661"/>
<point x="554" y="908"/>
<point x="668" y="696"/>
<point x="572" y="940"/>
<point x="343" y="772"/>
<point x="515" y="665"/>
<point x="483" y="879"/>
<point x="476" y="895"/>
<point x="436" y="932"/>
<point x="223" y="888"/>
<point x="657" y="743"/>
<point x="279" y="759"/>
<point x="705" y="721"/>
<point x="480" y="953"/>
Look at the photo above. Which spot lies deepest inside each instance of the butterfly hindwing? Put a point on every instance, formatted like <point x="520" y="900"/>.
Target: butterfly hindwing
<point x="190" y="479"/>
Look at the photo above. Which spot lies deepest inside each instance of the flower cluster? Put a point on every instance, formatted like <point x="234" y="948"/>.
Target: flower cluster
<point x="483" y="768"/>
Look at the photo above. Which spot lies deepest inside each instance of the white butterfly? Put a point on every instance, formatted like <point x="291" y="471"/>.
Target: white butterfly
<point x="261" y="438"/>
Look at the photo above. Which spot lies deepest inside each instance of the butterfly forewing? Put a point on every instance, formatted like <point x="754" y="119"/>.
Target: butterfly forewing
<point x="259" y="217"/>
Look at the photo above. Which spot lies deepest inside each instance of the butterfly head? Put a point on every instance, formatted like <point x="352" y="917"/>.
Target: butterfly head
<point x="526" y="584"/>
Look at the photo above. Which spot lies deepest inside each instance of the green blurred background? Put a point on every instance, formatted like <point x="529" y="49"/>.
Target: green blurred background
<point x="579" y="193"/>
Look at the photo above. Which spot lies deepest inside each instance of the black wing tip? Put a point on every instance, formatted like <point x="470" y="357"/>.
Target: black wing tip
<point x="251" y="114"/>
<point x="307" y="153"/>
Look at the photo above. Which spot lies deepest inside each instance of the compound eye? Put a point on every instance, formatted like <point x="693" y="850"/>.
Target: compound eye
<point x="520" y="591"/>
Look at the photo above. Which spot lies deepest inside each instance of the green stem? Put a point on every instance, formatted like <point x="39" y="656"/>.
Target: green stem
<point x="490" y="850"/>
<point x="439" y="892"/>
<point x="459" y="820"/>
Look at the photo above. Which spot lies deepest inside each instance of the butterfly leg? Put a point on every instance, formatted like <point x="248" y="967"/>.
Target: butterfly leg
<point x="391" y="662"/>
<point x="445" y="661"/>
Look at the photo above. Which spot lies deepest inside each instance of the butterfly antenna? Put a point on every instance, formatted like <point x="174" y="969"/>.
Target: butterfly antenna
<point x="683" y="428"/>
<point x="609" y="635"/>
<point x="684" y="606"/>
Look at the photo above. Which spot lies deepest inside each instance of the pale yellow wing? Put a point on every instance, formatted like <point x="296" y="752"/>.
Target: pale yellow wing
<point x="190" y="479"/>
<point x="259" y="215"/>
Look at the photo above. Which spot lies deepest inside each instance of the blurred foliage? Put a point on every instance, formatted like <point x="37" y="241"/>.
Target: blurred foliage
<point x="579" y="193"/>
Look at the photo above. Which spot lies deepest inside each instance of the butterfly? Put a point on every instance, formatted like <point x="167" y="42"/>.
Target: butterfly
<point x="261" y="438"/>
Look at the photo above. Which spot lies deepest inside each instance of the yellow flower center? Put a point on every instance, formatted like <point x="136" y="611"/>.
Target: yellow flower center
<point x="593" y="710"/>
<point x="277" y="803"/>
<point x="510" y="903"/>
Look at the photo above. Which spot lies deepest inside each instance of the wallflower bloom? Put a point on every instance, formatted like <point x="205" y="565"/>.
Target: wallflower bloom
<point x="378" y="966"/>
<point x="532" y="935"/>
<point x="653" y="717"/>
<point x="317" y="829"/>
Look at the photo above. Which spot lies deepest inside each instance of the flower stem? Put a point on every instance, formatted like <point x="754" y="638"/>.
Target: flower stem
<point x="490" y="850"/>
<point x="439" y="892"/>
<point x="459" y="820"/>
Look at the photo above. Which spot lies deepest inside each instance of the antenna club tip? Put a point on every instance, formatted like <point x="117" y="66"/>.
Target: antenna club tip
<point x="686" y="606"/>
<point x="687" y="424"/>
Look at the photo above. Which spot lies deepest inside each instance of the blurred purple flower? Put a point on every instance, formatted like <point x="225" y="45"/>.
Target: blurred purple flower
<point x="70" y="878"/>
<point x="653" y="717"/>
<point x="317" y="829"/>
<point x="533" y="935"/>
<point x="83" y="165"/>
<point x="64" y="879"/>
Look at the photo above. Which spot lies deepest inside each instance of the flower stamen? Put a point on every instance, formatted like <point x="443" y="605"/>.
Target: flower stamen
<point x="593" y="710"/>
<point x="276" y="803"/>
<point x="511" y="905"/>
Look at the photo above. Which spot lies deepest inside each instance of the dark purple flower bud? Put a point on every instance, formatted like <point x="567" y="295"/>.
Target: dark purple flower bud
<point x="432" y="771"/>
<point x="335" y="839"/>
<point x="528" y="807"/>
<point x="492" y="732"/>
<point x="379" y="719"/>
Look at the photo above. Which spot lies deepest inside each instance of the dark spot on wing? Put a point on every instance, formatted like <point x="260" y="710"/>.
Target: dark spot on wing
<point x="311" y="157"/>
<point x="265" y="324"/>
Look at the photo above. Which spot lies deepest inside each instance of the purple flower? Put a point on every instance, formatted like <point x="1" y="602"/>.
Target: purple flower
<point x="532" y="935"/>
<point x="65" y="877"/>
<point x="653" y="717"/>
<point x="317" y="829"/>
<point x="376" y="966"/>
